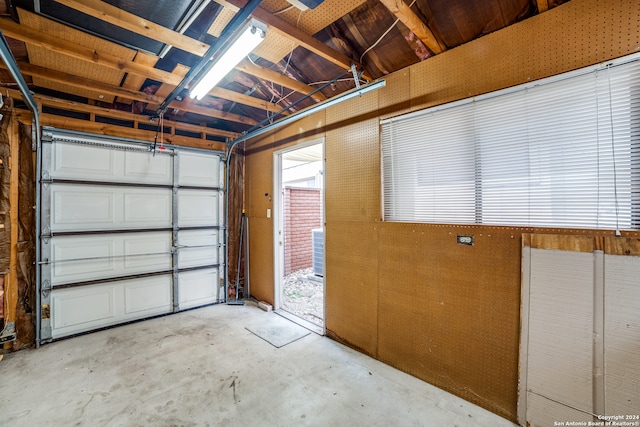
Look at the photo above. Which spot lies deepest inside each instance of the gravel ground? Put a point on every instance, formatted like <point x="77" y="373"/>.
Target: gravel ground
<point x="302" y="296"/>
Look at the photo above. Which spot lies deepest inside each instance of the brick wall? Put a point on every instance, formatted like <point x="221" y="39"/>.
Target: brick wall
<point x="302" y="213"/>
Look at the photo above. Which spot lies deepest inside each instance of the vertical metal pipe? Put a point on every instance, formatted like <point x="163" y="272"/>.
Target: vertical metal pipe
<point x="12" y="66"/>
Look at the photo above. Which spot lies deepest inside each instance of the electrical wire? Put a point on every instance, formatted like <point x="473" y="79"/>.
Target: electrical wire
<point x="383" y="35"/>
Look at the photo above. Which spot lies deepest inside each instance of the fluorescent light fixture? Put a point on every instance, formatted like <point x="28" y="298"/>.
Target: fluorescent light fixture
<point x="249" y="37"/>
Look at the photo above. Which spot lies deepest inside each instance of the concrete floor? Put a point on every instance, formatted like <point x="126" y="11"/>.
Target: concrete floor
<point x="203" y="368"/>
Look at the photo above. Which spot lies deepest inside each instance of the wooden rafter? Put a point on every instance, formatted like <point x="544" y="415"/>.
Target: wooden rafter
<point x="543" y="6"/>
<point x="64" y="47"/>
<point x="62" y="104"/>
<point x="121" y="18"/>
<point x="275" y="77"/>
<point x="409" y="18"/>
<point x="114" y="130"/>
<point x="113" y="15"/>
<point x="298" y="36"/>
<point x="83" y="83"/>
<point x="305" y="40"/>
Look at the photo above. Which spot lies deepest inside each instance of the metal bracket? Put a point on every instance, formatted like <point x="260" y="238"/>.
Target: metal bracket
<point x="46" y="235"/>
<point x="45" y="289"/>
<point x="356" y="77"/>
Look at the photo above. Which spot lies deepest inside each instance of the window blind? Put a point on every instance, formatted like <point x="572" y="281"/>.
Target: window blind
<point x="562" y="152"/>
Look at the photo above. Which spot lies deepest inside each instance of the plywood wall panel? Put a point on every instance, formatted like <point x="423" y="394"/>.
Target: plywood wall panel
<point x="395" y="97"/>
<point x="351" y="282"/>
<point x="574" y="35"/>
<point x="469" y="344"/>
<point x="261" y="257"/>
<point x="449" y="313"/>
<point x="352" y="173"/>
<point x="259" y="183"/>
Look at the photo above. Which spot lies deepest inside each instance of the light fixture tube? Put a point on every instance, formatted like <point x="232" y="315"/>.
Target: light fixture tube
<point x="250" y="37"/>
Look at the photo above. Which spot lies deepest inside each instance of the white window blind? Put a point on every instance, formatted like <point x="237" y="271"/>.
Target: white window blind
<point x="563" y="152"/>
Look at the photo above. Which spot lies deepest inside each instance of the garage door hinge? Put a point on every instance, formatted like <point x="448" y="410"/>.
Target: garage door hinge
<point x="46" y="137"/>
<point x="46" y="286"/>
<point x="46" y="179"/>
<point x="46" y="235"/>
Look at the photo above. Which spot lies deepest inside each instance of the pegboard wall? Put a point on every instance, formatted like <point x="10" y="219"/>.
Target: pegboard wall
<point x="409" y="294"/>
<point x="577" y="34"/>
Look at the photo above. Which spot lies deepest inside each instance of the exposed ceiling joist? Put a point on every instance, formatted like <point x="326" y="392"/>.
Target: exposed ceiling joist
<point x="121" y="18"/>
<point x="62" y="104"/>
<point x="113" y="15"/>
<point x="70" y="79"/>
<point x="543" y="6"/>
<point x="275" y="77"/>
<point x="306" y="41"/>
<point x="119" y="131"/>
<point x="409" y="18"/>
<point x="65" y="47"/>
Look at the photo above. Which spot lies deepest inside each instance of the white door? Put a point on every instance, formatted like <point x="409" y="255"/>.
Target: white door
<point x="126" y="233"/>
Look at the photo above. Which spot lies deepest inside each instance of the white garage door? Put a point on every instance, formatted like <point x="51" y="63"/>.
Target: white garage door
<point x="126" y="233"/>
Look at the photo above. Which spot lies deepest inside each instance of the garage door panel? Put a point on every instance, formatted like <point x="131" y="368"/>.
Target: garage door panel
<point x="84" y="308"/>
<point x="78" y="207"/>
<point x="74" y="161"/>
<point x="199" y="169"/>
<point x="198" y="208"/>
<point x="147" y="251"/>
<point x="146" y="295"/>
<point x="78" y="309"/>
<point x="197" y="248"/>
<point x="109" y="216"/>
<point x="197" y="287"/>
<point x="147" y="168"/>
<point x="102" y="164"/>
<point x="77" y="258"/>
<point x="147" y="207"/>
<point x="93" y="257"/>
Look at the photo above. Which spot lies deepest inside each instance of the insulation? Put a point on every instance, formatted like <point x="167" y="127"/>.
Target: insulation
<point x="236" y="208"/>
<point x="25" y="313"/>
<point x="5" y="179"/>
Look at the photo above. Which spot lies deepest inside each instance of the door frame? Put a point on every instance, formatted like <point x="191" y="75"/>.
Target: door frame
<point x="278" y="231"/>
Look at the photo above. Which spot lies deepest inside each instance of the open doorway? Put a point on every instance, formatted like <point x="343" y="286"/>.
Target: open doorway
<point x="299" y="234"/>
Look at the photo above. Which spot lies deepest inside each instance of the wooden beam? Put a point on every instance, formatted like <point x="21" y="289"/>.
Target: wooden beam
<point x="135" y="81"/>
<point x="11" y="279"/>
<point x="113" y="15"/>
<point x="120" y="131"/>
<point x="121" y="115"/>
<point x="275" y="77"/>
<point x="305" y="40"/>
<point x="55" y="44"/>
<point x="409" y="18"/>
<point x="298" y="36"/>
<point x="80" y="82"/>
<point x="241" y="98"/>
<point x="543" y="6"/>
<point x="121" y="18"/>
<point x="64" y="47"/>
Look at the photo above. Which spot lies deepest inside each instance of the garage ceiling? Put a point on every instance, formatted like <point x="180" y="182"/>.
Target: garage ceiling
<point x="111" y="61"/>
